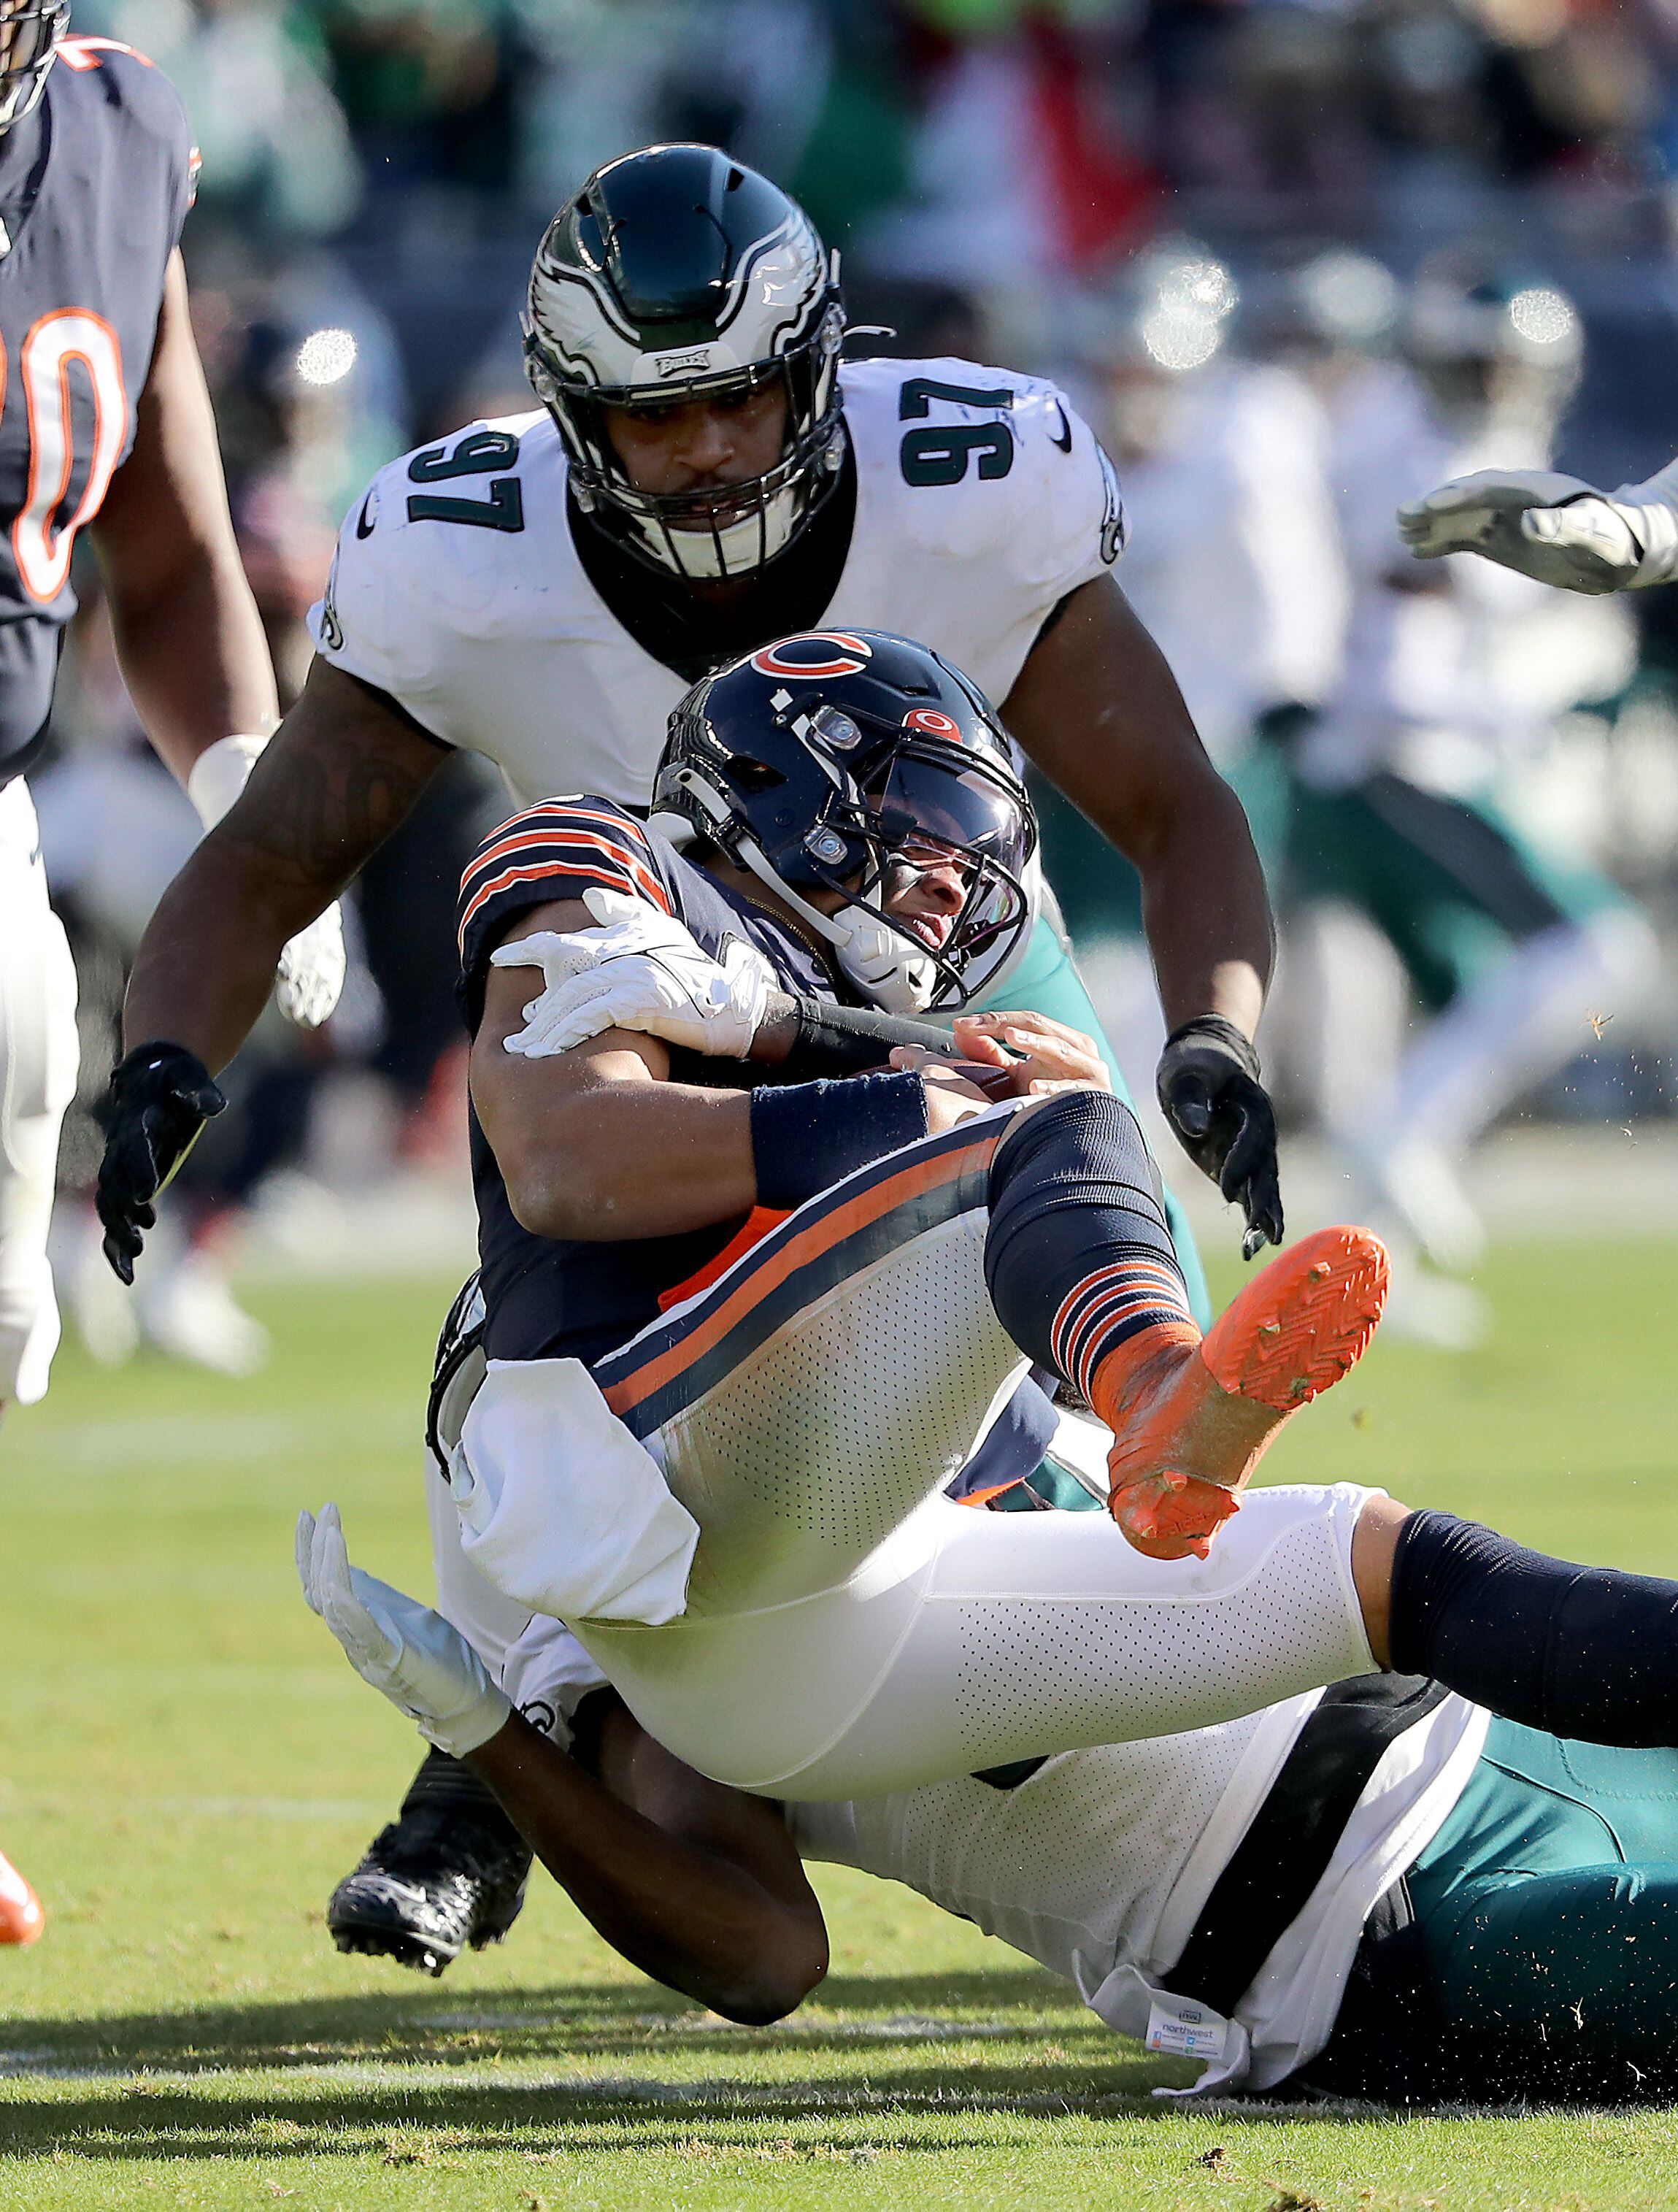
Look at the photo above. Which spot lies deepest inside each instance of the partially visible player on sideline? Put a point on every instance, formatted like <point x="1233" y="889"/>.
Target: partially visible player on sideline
<point x="104" y="421"/>
<point x="1454" y="677"/>
<point x="705" y="475"/>
<point x="1556" y="529"/>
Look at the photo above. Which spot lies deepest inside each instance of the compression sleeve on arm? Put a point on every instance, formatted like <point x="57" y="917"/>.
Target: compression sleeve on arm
<point x="807" y="1136"/>
<point x="1588" y="1652"/>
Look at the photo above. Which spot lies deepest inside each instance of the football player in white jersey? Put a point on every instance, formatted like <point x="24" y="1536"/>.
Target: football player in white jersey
<point x="1378" y="1890"/>
<point x="705" y="475"/>
<point x="1453" y="680"/>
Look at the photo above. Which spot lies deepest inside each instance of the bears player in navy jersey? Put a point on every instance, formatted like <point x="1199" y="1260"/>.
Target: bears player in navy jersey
<point x="728" y="1485"/>
<point x="105" y="424"/>
<point x="705" y="473"/>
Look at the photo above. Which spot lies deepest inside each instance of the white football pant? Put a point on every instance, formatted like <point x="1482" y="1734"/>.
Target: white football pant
<point x="37" y="1063"/>
<point x="841" y="1629"/>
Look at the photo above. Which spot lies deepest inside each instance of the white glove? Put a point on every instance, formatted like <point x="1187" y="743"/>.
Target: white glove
<point x="425" y="1668"/>
<point x="643" y="970"/>
<point x="310" y="977"/>
<point x="311" y="973"/>
<point x="1552" y="528"/>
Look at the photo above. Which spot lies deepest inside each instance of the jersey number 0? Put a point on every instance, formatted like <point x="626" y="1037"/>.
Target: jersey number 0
<point x="42" y="542"/>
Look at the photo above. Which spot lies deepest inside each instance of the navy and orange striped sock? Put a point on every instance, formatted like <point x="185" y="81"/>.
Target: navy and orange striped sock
<point x="1116" y="1319"/>
<point x="1078" y="1257"/>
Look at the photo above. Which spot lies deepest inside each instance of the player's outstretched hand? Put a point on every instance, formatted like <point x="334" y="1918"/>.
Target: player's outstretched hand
<point x="1031" y="1055"/>
<point x="1221" y="1115"/>
<point x="640" y="970"/>
<point x="160" y="1098"/>
<point x="1556" y="529"/>
<point x="425" y="1668"/>
<point x="310" y="978"/>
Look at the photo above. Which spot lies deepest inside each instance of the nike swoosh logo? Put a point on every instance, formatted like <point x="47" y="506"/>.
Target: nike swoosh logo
<point x="365" y="529"/>
<point x="1064" y="441"/>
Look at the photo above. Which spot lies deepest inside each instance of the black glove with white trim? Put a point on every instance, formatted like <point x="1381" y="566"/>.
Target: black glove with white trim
<point x="160" y="1097"/>
<point x="1221" y="1115"/>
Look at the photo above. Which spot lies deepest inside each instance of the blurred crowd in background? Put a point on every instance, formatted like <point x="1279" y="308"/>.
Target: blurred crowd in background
<point x="1296" y="259"/>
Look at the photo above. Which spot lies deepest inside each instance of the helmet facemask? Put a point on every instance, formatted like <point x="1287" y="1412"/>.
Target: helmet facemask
<point x="938" y="805"/>
<point x="719" y="530"/>
<point x="935" y="802"/>
<point x="29" y="36"/>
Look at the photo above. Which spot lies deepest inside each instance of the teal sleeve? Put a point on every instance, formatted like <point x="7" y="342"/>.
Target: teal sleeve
<point x="1047" y="981"/>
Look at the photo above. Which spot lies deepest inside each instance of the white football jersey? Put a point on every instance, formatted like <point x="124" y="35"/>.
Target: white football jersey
<point x="1236" y="567"/>
<point x="982" y="500"/>
<point x="1099" y="1866"/>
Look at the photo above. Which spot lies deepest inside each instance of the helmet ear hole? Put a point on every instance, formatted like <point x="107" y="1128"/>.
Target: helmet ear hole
<point x="753" y="775"/>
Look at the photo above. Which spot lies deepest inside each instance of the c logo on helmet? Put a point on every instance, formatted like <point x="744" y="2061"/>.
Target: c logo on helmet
<point x="935" y="724"/>
<point x="833" y="653"/>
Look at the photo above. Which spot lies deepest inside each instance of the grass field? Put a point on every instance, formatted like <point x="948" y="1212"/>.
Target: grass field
<point x="186" y="1766"/>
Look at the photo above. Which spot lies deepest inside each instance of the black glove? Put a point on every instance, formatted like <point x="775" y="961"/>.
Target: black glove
<point x="160" y="1098"/>
<point x="1222" y="1113"/>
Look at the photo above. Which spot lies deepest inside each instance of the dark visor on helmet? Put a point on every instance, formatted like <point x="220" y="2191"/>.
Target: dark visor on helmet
<point x="966" y="808"/>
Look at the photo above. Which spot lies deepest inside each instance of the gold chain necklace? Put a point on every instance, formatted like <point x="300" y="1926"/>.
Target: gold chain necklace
<point x="791" y="922"/>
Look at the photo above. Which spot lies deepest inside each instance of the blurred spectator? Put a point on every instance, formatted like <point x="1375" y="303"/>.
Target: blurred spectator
<point x="305" y="418"/>
<point x="428" y="86"/>
<point x="1406" y="786"/>
<point x="278" y="164"/>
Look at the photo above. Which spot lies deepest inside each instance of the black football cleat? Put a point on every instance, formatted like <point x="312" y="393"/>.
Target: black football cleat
<point x="448" y="1872"/>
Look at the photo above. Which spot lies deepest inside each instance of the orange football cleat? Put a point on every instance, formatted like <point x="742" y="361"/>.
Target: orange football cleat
<point x="1191" y="1423"/>
<point x="22" y="1915"/>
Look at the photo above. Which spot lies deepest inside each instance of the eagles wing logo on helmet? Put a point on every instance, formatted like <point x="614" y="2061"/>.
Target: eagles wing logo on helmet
<point x="675" y="274"/>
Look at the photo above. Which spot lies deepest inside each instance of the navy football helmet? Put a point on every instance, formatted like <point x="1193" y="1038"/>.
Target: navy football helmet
<point x="842" y="761"/>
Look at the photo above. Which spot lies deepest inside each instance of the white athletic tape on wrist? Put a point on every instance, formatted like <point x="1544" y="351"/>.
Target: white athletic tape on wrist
<point x="219" y="773"/>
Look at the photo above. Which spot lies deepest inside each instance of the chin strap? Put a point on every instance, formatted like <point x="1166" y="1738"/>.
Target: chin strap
<point x="881" y="960"/>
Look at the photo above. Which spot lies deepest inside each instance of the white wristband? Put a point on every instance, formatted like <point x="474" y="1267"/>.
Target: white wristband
<point x="219" y="773"/>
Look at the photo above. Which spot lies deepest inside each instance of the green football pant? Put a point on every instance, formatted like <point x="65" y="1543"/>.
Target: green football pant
<point x="1047" y="981"/>
<point x="1548" y="1907"/>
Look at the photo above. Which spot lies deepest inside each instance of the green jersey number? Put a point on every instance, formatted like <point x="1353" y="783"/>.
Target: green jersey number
<point x="479" y="455"/>
<point x="942" y="456"/>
